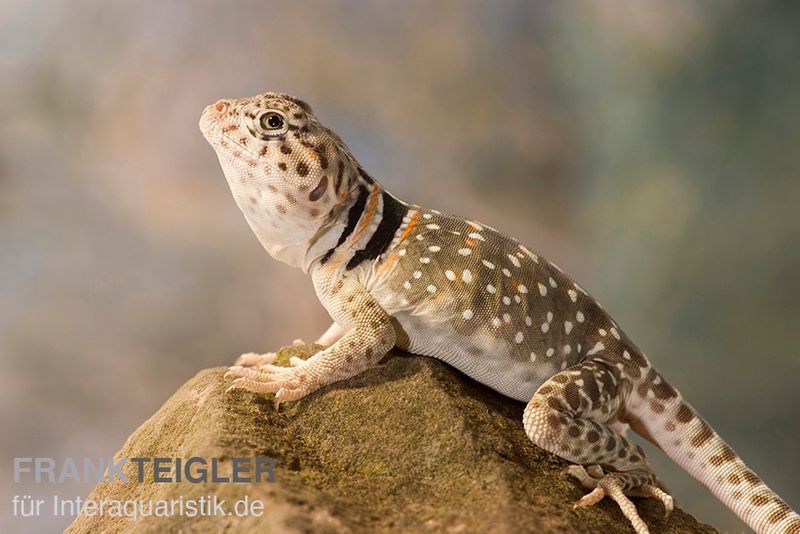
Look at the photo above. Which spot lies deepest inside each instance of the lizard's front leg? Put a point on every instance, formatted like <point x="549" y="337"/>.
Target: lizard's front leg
<point x="370" y="337"/>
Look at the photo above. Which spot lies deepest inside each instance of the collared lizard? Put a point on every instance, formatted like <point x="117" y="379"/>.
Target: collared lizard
<point x="395" y="274"/>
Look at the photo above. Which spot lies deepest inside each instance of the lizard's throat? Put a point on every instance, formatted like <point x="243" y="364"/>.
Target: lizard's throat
<point x="294" y="241"/>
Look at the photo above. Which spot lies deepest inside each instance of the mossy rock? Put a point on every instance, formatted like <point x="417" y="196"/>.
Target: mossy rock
<point x="410" y="445"/>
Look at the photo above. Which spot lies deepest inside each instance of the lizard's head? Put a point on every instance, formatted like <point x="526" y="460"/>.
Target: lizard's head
<point x="281" y="163"/>
<point x="290" y="175"/>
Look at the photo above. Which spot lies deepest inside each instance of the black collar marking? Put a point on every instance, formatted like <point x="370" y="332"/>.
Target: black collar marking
<point x="356" y="210"/>
<point x="392" y="218"/>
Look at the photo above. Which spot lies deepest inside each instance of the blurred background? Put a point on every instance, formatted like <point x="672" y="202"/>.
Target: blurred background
<point x="649" y="148"/>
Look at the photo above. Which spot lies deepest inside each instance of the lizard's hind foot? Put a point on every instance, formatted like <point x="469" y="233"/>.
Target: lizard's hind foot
<point x="611" y="485"/>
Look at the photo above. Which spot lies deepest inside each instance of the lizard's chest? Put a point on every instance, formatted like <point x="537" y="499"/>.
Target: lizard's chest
<point x="480" y="301"/>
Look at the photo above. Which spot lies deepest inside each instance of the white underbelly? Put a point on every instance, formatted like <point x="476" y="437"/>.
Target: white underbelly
<point x="483" y="357"/>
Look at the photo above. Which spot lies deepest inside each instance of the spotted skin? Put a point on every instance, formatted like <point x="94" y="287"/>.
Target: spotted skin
<point x="394" y="274"/>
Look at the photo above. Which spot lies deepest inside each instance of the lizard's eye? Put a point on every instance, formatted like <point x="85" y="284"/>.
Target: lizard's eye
<point x="272" y="123"/>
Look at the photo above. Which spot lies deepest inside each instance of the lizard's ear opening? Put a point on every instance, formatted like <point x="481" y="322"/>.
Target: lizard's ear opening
<point x="319" y="191"/>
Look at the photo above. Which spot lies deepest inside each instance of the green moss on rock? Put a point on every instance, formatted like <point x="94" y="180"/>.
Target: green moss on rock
<point x="410" y="445"/>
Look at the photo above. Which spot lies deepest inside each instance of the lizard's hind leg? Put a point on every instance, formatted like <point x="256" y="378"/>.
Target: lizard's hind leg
<point x="569" y="416"/>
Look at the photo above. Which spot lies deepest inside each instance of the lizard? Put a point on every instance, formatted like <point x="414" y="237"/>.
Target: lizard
<point x="391" y="273"/>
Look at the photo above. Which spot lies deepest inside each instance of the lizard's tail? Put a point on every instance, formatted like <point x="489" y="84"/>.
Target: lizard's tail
<point x="658" y="412"/>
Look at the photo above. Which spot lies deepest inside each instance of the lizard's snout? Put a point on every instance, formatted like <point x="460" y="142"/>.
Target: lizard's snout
<point x="212" y="114"/>
<point x="221" y="106"/>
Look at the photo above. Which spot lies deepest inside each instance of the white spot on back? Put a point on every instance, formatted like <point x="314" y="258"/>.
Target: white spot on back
<point x="465" y="251"/>
<point x="466" y="276"/>
<point x="514" y="261"/>
<point x="573" y="295"/>
<point x="579" y="316"/>
<point x="417" y="274"/>
<point x="450" y="275"/>
<point x="491" y="289"/>
<point x="432" y="226"/>
<point x="530" y="254"/>
<point x="567" y="327"/>
<point x="431" y="288"/>
<point x="597" y="348"/>
<point x="488" y="264"/>
<point x="434" y="248"/>
<point x="467" y="315"/>
<point x="542" y="289"/>
<point x="519" y="337"/>
<point x="424" y="259"/>
<point x="522" y="289"/>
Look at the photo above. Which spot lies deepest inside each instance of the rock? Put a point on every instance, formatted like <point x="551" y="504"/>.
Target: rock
<point x="410" y="445"/>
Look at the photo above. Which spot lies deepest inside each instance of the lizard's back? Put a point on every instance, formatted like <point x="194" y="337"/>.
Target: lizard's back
<point x="484" y="303"/>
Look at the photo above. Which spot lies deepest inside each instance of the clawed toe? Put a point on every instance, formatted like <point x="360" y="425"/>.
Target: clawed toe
<point x="252" y="358"/>
<point x="264" y="372"/>
<point x="586" y="476"/>
<point x="603" y="485"/>
<point x="666" y="499"/>
<point x="287" y="383"/>
<point x="253" y="385"/>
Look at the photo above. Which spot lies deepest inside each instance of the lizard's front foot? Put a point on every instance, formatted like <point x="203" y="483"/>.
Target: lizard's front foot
<point x="610" y="485"/>
<point x="288" y="383"/>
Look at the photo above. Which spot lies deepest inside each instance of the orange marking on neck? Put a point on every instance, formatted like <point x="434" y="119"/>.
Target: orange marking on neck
<point x="471" y="243"/>
<point x="410" y="228"/>
<point x="373" y="203"/>
<point x="390" y="261"/>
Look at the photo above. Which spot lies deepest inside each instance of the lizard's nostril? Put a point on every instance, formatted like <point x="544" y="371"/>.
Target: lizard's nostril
<point x="220" y="106"/>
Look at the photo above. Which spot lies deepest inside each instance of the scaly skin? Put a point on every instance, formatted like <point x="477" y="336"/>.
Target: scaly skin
<point x="394" y="274"/>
